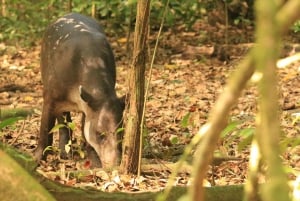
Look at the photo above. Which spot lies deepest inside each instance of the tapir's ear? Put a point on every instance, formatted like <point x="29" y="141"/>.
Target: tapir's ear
<point x="85" y="95"/>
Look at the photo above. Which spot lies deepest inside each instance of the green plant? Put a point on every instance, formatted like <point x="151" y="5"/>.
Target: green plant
<point x="296" y="27"/>
<point x="23" y="20"/>
<point x="233" y="133"/>
<point x="185" y="120"/>
<point x="9" y="121"/>
<point x="291" y="142"/>
<point x="184" y="12"/>
<point x="26" y="20"/>
<point x="70" y="126"/>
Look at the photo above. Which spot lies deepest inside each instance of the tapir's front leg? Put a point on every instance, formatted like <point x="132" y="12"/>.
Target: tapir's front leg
<point x="47" y="123"/>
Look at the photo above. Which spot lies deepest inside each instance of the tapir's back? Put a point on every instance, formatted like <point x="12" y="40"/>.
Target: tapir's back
<point x="71" y="44"/>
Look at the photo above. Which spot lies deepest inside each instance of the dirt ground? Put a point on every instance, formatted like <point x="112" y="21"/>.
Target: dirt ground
<point x="189" y="72"/>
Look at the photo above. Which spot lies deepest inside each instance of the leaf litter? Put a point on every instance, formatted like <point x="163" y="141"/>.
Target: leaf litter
<point x="186" y="80"/>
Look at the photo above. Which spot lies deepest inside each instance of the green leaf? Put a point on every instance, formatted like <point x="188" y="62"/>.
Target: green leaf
<point x="247" y="136"/>
<point x="68" y="147"/>
<point x="9" y="121"/>
<point x="119" y="130"/>
<point x="174" y="140"/>
<point x="230" y="128"/>
<point x="185" y="120"/>
<point x="57" y="127"/>
<point x="48" y="148"/>
<point x="71" y="125"/>
<point x="247" y="132"/>
<point x="289" y="142"/>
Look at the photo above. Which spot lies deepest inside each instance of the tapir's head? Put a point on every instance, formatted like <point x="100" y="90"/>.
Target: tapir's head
<point x="103" y="118"/>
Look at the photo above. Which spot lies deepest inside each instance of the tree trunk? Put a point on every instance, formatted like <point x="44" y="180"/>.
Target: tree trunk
<point x="133" y="128"/>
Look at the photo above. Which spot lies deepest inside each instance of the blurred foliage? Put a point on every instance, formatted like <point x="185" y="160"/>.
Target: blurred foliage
<point x="296" y="26"/>
<point x="23" y="21"/>
<point x="9" y="122"/>
<point x="237" y="132"/>
<point x="184" y="12"/>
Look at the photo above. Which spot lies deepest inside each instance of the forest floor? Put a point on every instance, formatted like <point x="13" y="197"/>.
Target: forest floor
<point x="190" y="70"/>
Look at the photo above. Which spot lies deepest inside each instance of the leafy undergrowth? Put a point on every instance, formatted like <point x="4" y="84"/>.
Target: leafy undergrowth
<point x="190" y="71"/>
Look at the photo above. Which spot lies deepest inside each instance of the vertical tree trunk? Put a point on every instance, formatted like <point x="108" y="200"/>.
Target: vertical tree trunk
<point x="133" y="129"/>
